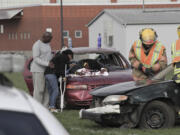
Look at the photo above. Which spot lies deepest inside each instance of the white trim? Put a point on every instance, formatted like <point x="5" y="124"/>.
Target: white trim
<point x="20" y="6"/>
<point x="92" y="4"/>
<point x="119" y="3"/>
<point x="80" y="33"/>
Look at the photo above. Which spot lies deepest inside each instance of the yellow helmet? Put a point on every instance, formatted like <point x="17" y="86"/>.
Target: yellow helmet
<point x="148" y="36"/>
<point x="178" y="31"/>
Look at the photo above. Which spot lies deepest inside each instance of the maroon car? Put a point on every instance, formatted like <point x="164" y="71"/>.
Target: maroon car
<point x="78" y="87"/>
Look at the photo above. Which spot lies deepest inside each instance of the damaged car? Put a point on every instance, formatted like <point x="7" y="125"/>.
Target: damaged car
<point x="151" y="104"/>
<point x="79" y="86"/>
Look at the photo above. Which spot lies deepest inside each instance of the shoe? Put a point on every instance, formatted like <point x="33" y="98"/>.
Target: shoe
<point x="53" y="110"/>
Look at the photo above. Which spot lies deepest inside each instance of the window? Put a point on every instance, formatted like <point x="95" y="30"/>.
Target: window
<point x="9" y="36"/>
<point x="110" y="40"/>
<point x="21" y="36"/>
<point x="25" y="35"/>
<point x="1" y="29"/>
<point x="78" y="34"/>
<point x="19" y="123"/>
<point x="13" y="36"/>
<point x="28" y="35"/>
<point x="65" y="33"/>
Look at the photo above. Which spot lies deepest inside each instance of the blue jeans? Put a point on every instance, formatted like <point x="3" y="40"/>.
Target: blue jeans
<point x="52" y="86"/>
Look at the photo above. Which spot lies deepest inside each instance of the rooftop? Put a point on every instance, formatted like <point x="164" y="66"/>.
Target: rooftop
<point x="140" y="16"/>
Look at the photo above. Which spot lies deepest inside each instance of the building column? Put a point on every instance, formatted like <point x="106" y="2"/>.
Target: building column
<point x="113" y="1"/>
<point x="52" y="1"/>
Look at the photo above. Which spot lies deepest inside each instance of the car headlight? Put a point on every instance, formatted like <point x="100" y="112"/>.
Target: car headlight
<point x="114" y="99"/>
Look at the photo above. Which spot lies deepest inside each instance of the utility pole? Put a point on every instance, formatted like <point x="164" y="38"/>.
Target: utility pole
<point x="143" y="6"/>
<point x="61" y="18"/>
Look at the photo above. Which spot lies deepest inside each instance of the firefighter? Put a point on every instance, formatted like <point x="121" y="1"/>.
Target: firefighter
<point x="147" y="55"/>
<point x="175" y="51"/>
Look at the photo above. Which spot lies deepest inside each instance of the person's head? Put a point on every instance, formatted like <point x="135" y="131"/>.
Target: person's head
<point x="46" y="37"/>
<point x="99" y="34"/>
<point x="148" y="36"/>
<point x="69" y="53"/>
<point x="178" y="31"/>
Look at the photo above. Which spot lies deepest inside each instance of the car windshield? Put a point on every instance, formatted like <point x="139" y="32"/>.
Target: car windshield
<point x="17" y="123"/>
<point x="112" y="61"/>
<point x="111" y="58"/>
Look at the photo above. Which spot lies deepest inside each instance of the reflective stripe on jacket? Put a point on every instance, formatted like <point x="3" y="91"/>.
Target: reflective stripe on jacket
<point x="153" y="56"/>
<point x="175" y="48"/>
<point x="177" y="73"/>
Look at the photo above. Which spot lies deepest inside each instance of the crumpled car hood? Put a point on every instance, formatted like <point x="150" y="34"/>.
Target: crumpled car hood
<point x="119" y="88"/>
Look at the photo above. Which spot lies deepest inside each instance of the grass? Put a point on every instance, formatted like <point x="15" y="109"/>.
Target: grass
<point x="76" y="126"/>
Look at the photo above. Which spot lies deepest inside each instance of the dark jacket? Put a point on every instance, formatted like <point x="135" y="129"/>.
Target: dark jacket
<point x="59" y="61"/>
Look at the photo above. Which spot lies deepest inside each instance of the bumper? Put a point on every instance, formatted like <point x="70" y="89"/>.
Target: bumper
<point x="96" y="113"/>
<point x="79" y="103"/>
<point x="78" y="97"/>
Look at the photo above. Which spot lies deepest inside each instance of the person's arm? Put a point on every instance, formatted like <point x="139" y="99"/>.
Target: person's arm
<point x="135" y="63"/>
<point x="161" y="63"/>
<point x="36" y="56"/>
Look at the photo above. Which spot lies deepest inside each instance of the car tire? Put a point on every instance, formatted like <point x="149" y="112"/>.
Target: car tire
<point x="157" y="114"/>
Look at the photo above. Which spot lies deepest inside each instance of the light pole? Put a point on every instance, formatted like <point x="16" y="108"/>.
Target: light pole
<point x="61" y="17"/>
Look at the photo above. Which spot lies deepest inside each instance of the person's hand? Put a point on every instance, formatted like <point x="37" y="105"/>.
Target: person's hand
<point x="136" y="64"/>
<point x="64" y="79"/>
<point x="149" y="72"/>
<point x="51" y="65"/>
<point x="71" y="65"/>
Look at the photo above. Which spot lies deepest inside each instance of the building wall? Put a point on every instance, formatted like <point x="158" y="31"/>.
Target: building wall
<point x="108" y="27"/>
<point x="125" y="36"/>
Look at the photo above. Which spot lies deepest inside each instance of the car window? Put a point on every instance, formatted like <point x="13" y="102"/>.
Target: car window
<point x="120" y="62"/>
<point x="17" y="123"/>
<point x="78" y="57"/>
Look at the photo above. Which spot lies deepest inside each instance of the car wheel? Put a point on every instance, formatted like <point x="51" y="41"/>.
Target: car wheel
<point x="156" y="115"/>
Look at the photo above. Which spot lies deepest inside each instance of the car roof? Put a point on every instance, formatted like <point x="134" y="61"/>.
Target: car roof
<point x="13" y="100"/>
<point x="81" y="50"/>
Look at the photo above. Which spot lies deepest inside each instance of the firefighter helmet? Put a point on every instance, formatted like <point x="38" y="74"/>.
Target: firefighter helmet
<point x="148" y="36"/>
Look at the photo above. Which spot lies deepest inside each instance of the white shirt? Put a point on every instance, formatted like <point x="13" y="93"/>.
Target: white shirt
<point x="41" y="56"/>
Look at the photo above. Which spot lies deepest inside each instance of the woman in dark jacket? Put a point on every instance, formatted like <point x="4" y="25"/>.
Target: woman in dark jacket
<point x="60" y="60"/>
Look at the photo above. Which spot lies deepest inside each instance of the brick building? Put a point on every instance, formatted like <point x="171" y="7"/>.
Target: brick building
<point x="22" y="27"/>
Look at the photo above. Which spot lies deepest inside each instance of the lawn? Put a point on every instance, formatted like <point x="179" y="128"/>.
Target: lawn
<point x="76" y="126"/>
